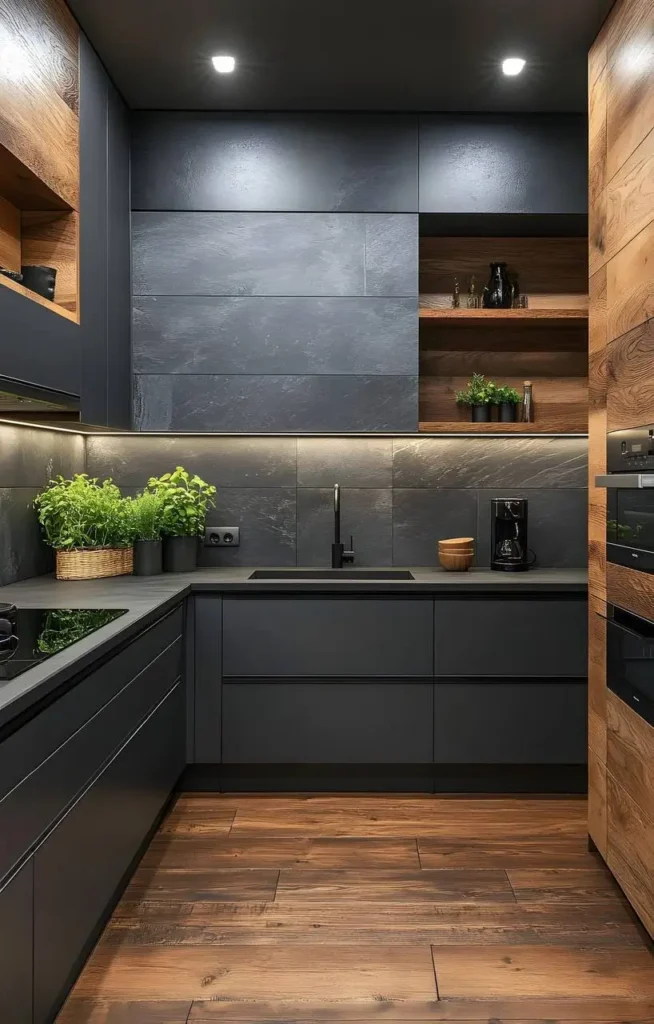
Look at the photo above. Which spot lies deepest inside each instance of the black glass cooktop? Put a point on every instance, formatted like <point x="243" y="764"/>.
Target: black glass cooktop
<point x="31" y="635"/>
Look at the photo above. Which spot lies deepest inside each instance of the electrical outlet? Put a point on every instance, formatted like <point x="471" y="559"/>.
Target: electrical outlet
<point x="222" y="537"/>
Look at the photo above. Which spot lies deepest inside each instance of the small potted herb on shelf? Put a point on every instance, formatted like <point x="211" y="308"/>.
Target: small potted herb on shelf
<point x="185" y="500"/>
<point x="478" y="395"/>
<point x="89" y="526"/>
<point x="147" y="515"/>
<point x="507" y="400"/>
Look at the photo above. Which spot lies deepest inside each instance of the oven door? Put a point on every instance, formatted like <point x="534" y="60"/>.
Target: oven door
<point x="630" y="519"/>
<point x="630" y="660"/>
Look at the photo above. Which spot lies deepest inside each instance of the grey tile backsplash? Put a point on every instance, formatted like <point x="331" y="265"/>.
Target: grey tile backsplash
<point x="399" y="494"/>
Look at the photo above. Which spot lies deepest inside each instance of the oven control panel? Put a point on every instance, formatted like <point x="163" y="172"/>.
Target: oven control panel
<point x="630" y="450"/>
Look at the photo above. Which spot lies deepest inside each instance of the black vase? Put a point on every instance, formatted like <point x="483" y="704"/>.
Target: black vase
<point x="498" y="293"/>
<point x="480" y="413"/>
<point x="40" y="280"/>
<point x="147" y="558"/>
<point x="180" y="554"/>
<point x="507" y="412"/>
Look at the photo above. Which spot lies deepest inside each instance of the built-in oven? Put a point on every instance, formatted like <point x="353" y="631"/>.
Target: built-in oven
<point x="630" y="497"/>
<point x="630" y="660"/>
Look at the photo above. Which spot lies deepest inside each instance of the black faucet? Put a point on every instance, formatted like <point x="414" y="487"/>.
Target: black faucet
<point x="339" y="554"/>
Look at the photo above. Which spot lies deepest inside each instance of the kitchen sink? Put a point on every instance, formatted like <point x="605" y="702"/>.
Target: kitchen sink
<point x="331" y="574"/>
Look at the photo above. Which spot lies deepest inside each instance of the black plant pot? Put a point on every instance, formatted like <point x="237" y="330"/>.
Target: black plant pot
<point x="507" y="412"/>
<point x="148" y="558"/>
<point x="180" y="554"/>
<point x="480" y="413"/>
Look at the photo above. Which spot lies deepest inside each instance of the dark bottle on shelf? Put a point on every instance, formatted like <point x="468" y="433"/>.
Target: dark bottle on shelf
<point x="498" y="293"/>
<point x="527" y="404"/>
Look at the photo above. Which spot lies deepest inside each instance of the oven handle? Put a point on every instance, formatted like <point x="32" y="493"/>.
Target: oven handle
<point x="631" y="480"/>
<point x="627" y="623"/>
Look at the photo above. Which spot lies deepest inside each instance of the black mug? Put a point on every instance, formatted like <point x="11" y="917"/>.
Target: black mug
<point x="40" y="280"/>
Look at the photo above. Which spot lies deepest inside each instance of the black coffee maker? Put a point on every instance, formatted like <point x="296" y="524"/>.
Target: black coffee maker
<point x="509" y="551"/>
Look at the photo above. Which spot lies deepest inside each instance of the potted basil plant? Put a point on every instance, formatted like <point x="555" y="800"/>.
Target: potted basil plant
<point x="147" y="514"/>
<point x="478" y="396"/>
<point x="507" y="400"/>
<point x="185" y="499"/>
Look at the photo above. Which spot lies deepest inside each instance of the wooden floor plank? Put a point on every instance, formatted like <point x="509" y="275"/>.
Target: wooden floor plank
<point x="189" y="883"/>
<point x="91" y="1011"/>
<point x="203" y="814"/>
<point x="577" y="886"/>
<point x="439" y="886"/>
<point x="505" y="852"/>
<point x="244" y="973"/>
<point x="543" y="972"/>
<point x="224" y="851"/>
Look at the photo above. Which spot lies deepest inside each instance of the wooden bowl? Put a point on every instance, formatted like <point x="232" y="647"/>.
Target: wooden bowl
<point x="461" y="549"/>
<point x="457" y="544"/>
<point x="456" y="561"/>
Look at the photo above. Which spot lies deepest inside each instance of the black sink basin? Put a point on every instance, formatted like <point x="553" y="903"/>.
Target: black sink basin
<point x="331" y="574"/>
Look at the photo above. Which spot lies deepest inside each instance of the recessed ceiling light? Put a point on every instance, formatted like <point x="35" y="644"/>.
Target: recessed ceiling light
<point x="223" y="64"/>
<point x="513" y="65"/>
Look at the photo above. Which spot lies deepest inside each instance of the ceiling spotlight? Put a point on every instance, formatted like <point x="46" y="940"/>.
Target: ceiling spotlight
<point x="224" y="65"/>
<point x="513" y="65"/>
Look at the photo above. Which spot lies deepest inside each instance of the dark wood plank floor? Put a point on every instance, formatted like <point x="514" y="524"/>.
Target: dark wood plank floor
<point x="365" y="908"/>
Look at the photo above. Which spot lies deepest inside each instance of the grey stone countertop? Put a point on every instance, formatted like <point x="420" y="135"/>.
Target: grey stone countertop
<point x="147" y="598"/>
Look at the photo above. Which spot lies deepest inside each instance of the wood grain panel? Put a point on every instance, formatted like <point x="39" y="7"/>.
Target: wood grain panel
<point x="630" y="756"/>
<point x="629" y="291"/>
<point x="630" y="81"/>
<point x="543" y="264"/>
<point x="9" y="236"/>
<point x="597" y="198"/>
<point x="597" y="809"/>
<point x="541" y="972"/>
<point x="91" y="1011"/>
<point x="51" y="239"/>
<point x="199" y="814"/>
<point x="631" y="850"/>
<point x="597" y="420"/>
<point x="630" y="391"/>
<point x="630" y="589"/>
<point x="47" y="33"/>
<point x="500" y="365"/>
<point x="209" y="852"/>
<point x="597" y="735"/>
<point x="504" y="336"/>
<point x="576" y="886"/>
<point x="447" y="885"/>
<point x="597" y="691"/>
<point x="630" y="198"/>
<point x="198" y="883"/>
<point x="478" y="852"/>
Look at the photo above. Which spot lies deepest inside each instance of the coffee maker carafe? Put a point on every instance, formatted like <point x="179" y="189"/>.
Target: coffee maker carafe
<point x="509" y="551"/>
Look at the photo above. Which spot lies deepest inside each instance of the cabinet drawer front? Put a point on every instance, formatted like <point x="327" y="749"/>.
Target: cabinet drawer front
<point x="517" y="722"/>
<point x="28" y="811"/>
<point x="519" y="636"/>
<point x="631" y="850"/>
<point x="79" y="867"/>
<point x="16" y="947"/>
<point x="30" y="745"/>
<point x="318" y="636"/>
<point x="295" y="722"/>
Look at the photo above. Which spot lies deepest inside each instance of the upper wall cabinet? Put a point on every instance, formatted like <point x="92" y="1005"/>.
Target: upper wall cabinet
<point x="288" y="162"/>
<point x="39" y="148"/>
<point x="503" y="164"/>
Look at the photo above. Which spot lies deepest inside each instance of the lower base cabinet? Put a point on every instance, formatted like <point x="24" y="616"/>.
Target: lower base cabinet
<point x="328" y="722"/>
<point x="79" y="867"/>
<point x="16" y="948"/>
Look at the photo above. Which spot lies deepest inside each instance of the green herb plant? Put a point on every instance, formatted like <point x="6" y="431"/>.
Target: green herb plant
<point x="478" y="392"/>
<point x="506" y="395"/>
<point x="185" y="499"/>
<point x="147" y="515"/>
<point x="84" y="513"/>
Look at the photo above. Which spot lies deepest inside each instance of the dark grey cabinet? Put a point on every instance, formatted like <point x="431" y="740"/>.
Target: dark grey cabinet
<point x="517" y="636"/>
<point x="79" y="867"/>
<point x="321" y="636"/>
<point x="208" y="679"/>
<point x="349" y="722"/>
<point x="517" y="722"/>
<point x="16" y="948"/>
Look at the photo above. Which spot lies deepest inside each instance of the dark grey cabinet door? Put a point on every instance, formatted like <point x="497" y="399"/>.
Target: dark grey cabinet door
<point x="320" y="636"/>
<point x="208" y="678"/>
<point x="81" y="864"/>
<point x="350" y="722"/>
<point x="503" y="163"/>
<point x="16" y="948"/>
<point x="516" y="722"/>
<point x="519" y="636"/>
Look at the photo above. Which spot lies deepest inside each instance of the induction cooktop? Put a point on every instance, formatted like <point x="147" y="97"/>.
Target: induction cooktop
<point x="29" y="636"/>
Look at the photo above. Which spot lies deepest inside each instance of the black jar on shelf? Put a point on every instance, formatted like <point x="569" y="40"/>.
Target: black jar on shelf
<point x="498" y="293"/>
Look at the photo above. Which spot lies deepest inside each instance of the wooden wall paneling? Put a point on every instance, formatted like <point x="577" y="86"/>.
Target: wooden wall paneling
<point x="630" y="198"/>
<point x="52" y="239"/>
<point x="49" y="35"/>
<point x="630" y="370"/>
<point x="597" y="419"/>
<point x="597" y="802"/>
<point x="630" y="853"/>
<point x="630" y="589"/>
<point x="630" y="80"/>
<point x="560" y="403"/>
<point x="630" y="753"/>
<point x="9" y="236"/>
<point x="629" y="285"/>
<point x="597" y="174"/>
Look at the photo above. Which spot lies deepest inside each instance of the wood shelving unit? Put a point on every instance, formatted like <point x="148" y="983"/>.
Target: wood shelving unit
<point x="547" y="343"/>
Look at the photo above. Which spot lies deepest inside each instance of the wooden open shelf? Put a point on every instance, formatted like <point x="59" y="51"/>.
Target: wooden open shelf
<point x="547" y="343"/>
<point x="39" y="152"/>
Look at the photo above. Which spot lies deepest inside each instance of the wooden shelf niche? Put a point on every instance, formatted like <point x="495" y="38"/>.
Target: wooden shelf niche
<point x="39" y="149"/>
<point x="546" y="343"/>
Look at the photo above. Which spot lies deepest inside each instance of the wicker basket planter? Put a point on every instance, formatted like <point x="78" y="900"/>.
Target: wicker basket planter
<point x="94" y="563"/>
